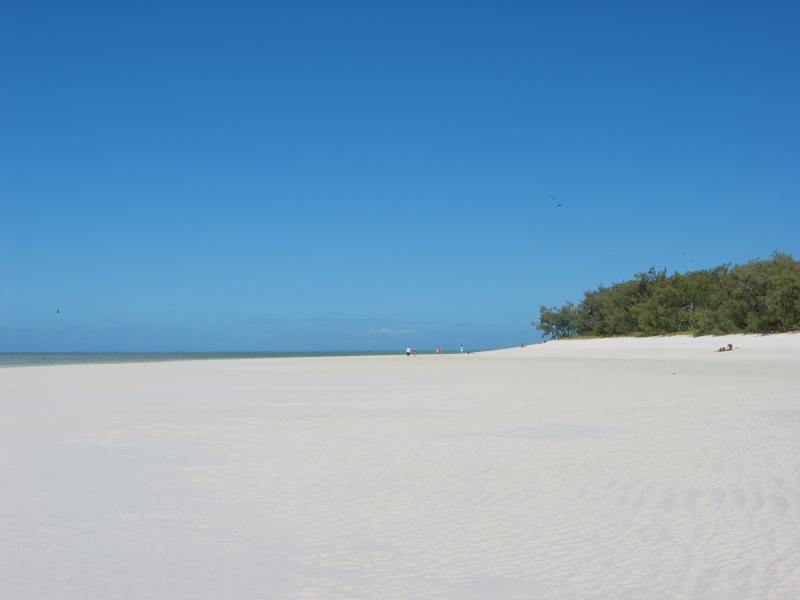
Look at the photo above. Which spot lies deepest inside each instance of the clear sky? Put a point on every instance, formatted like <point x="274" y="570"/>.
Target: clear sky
<point x="347" y="175"/>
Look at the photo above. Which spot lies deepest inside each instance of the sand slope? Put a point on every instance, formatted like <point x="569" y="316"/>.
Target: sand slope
<point x="648" y="468"/>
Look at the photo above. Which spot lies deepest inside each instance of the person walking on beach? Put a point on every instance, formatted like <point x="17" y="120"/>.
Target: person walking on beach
<point x="461" y="349"/>
<point x="408" y="350"/>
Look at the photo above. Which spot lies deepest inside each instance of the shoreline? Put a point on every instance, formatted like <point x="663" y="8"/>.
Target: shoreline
<point x="41" y="359"/>
<point x="564" y="347"/>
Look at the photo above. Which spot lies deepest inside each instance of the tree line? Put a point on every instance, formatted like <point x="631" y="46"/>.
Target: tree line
<point x="762" y="296"/>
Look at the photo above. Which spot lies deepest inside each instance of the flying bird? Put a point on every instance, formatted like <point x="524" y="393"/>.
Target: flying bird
<point x="558" y="203"/>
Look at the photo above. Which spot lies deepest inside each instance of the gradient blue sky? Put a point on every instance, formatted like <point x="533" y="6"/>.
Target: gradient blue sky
<point x="342" y="175"/>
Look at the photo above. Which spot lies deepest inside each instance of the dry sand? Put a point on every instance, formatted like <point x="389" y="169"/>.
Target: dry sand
<point x="585" y="469"/>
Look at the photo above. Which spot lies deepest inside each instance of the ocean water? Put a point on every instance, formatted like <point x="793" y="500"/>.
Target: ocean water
<point x="20" y="359"/>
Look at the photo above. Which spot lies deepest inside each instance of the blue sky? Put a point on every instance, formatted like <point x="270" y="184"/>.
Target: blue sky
<point x="265" y="176"/>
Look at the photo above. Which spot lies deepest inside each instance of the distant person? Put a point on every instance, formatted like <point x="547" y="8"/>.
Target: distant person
<point x="408" y="350"/>
<point x="730" y="347"/>
<point x="461" y="349"/>
<point x="414" y="352"/>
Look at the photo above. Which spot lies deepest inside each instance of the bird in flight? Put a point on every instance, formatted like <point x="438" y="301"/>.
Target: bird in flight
<point x="558" y="203"/>
<point x="58" y="311"/>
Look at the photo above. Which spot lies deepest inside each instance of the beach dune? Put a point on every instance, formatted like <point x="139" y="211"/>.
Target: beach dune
<point x="625" y="468"/>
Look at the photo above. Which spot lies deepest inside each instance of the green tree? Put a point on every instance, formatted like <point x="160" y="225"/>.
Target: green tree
<point x="759" y="297"/>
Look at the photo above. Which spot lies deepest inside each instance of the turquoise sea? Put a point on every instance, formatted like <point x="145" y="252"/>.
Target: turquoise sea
<point x="19" y="359"/>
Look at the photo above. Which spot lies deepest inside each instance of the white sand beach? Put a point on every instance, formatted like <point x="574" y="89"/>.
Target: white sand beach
<point x="629" y="468"/>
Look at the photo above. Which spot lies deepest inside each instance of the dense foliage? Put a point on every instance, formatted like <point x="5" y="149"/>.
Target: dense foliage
<point x="757" y="297"/>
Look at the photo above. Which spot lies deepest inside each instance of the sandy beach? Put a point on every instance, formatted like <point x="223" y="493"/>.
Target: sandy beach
<point x="626" y="468"/>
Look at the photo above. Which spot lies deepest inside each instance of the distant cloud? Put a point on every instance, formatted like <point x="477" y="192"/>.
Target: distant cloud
<point x="379" y="322"/>
<point x="388" y="331"/>
<point x="368" y="330"/>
